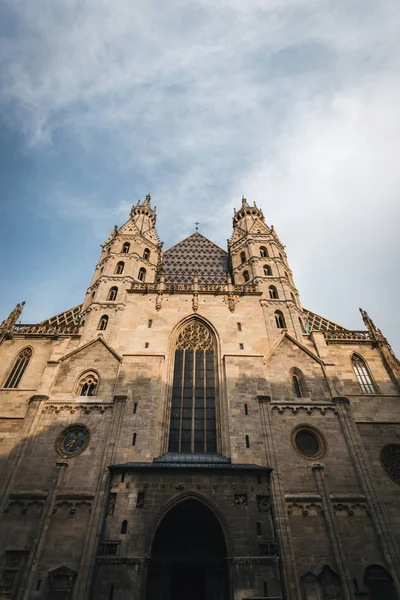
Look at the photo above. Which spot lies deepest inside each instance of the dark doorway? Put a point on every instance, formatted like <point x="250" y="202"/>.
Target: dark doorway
<point x="188" y="559"/>
<point x="379" y="583"/>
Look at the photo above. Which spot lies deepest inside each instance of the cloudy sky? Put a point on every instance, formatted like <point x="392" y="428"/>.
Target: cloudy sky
<point x="294" y="103"/>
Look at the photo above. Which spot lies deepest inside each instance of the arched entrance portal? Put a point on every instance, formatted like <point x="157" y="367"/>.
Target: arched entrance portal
<point x="188" y="556"/>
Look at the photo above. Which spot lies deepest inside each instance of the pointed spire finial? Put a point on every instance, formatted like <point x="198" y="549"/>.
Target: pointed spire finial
<point x="197" y="225"/>
<point x="147" y="200"/>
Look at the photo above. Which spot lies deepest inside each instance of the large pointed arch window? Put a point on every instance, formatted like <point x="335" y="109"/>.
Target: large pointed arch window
<point x="19" y="368"/>
<point x="363" y="375"/>
<point x="192" y="426"/>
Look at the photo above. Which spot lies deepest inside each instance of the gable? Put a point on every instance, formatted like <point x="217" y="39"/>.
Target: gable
<point x="96" y="356"/>
<point x="195" y="255"/>
<point x="288" y="354"/>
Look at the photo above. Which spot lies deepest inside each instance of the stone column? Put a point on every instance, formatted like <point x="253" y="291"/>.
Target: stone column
<point x="288" y="566"/>
<point x="332" y="532"/>
<point x="31" y="419"/>
<point x="375" y="505"/>
<point x="35" y="555"/>
<point x="97" y="516"/>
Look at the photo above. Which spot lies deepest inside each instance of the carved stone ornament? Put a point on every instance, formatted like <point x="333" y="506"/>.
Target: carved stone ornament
<point x="159" y="301"/>
<point x="240" y="499"/>
<point x="309" y="408"/>
<point x="263" y="504"/>
<point x="84" y="407"/>
<point x="195" y="303"/>
<point x="231" y="300"/>
<point x="140" y="499"/>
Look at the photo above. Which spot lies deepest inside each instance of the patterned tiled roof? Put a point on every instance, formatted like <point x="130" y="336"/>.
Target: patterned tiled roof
<point x="195" y="255"/>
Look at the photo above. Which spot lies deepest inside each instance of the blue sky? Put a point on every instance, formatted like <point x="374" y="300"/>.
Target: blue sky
<point x="293" y="103"/>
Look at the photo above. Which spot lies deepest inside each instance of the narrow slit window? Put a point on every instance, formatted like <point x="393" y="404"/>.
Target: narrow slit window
<point x="258" y="527"/>
<point x="296" y="386"/>
<point x="19" y="368"/>
<point x="122" y="476"/>
<point x="150" y="323"/>
<point x="241" y="346"/>
<point x="134" y="439"/>
<point x="247" y="441"/>
<point x="246" y="276"/>
<point x="246" y="410"/>
<point x="239" y="327"/>
<point x="124" y="526"/>
<point x="135" y="408"/>
<point x="242" y="257"/>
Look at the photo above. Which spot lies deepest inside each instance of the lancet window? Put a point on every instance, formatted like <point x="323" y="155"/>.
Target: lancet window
<point x="142" y="274"/>
<point x="146" y="254"/>
<point x="112" y="294"/>
<point x="267" y="270"/>
<point x="263" y="251"/>
<point x="246" y="276"/>
<point x="193" y="421"/>
<point x="103" y="323"/>
<point x="120" y="268"/>
<point x="19" y="368"/>
<point x="280" y="320"/>
<point x="88" y="385"/>
<point x="363" y="375"/>
<point x="273" y="292"/>
<point x="125" y="247"/>
<point x="242" y="257"/>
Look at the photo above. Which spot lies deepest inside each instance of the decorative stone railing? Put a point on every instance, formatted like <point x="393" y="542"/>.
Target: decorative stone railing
<point x="347" y="336"/>
<point x="40" y="329"/>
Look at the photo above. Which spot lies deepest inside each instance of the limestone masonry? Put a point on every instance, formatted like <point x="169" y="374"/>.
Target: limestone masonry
<point x="191" y="432"/>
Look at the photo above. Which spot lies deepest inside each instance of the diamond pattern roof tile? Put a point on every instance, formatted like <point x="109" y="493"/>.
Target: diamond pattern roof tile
<point x="195" y="255"/>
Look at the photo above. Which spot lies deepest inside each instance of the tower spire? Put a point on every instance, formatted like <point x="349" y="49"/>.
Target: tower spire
<point x="385" y="349"/>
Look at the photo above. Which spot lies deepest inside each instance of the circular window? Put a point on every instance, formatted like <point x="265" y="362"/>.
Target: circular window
<point x="390" y="459"/>
<point x="308" y="442"/>
<point x="72" y="440"/>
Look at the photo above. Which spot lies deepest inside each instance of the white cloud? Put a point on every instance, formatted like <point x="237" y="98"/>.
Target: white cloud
<point x="294" y="103"/>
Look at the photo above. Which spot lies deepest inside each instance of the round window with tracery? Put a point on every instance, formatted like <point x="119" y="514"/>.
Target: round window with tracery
<point x="390" y="459"/>
<point x="308" y="442"/>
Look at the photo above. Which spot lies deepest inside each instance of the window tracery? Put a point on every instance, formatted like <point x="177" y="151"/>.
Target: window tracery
<point x="20" y="365"/>
<point x="193" y="422"/>
<point x="363" y="375"/>
<point x="88" y="384"/>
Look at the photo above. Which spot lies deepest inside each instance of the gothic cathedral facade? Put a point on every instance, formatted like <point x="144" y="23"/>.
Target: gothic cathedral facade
<point x="192" y="432"/>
